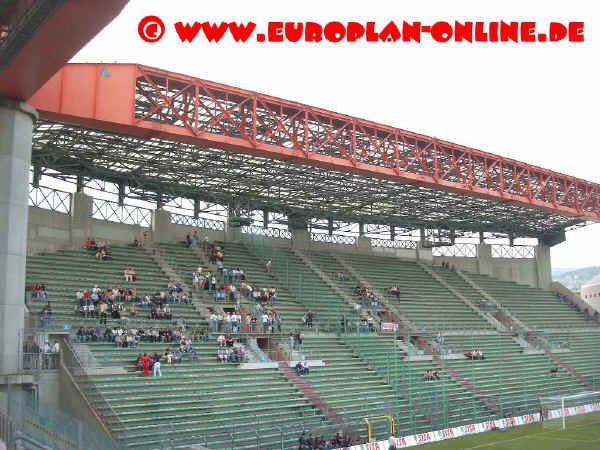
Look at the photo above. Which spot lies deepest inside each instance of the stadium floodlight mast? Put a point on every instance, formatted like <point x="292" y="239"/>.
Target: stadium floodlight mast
<point x="557" y="410"/>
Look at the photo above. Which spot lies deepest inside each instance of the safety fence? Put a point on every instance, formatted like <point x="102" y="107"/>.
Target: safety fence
<point x="51" y="199"/>
<point x="275" y="233"/>
<point x="197" y="222"/>
<point x="456" y="251"/>
<point x="127" y="214"/>
<point x="333" y="238"/>
<point x="513" y="251"/>
<point x="388" y="243"/>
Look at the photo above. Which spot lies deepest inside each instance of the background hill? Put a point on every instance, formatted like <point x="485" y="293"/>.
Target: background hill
<point x="574" y="279"/>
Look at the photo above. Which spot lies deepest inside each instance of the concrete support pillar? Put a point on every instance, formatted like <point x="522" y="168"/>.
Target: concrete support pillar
<point x="162" y="228"/>
<point x="363" y="244"/>
<point x="543" y="266"/>
<point x="16" y="128"/>
<point x="81" y="213"/>
<point x="424" y="254"/>
<point x="81" y="208"/>
<point x="233" y="233"/>
<point x="484" y="259"/>
<point x="300" y="239"/>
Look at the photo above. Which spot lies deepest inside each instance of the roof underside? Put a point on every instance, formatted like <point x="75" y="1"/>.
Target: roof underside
<point x="148" y="166"/>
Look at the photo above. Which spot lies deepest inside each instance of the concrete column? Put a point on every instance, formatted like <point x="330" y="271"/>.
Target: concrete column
<point x="81" y="213"/>
<point x="16" y="128"/>
<point x="543" y="266"/>
<point x="363" y="244"/>
<point x="300" y="239"/>
<point x="233" y="233"/>
<point x="424" y="254"/>
<point x="162" y="228"/>
<point x="484" y="259"/>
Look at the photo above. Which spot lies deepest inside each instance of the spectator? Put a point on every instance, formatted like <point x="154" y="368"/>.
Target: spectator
<point x="145" y="365"/>
<point x="269" y="264"/>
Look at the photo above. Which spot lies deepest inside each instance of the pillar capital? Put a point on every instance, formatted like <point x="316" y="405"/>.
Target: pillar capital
<point x="20" y="106"/>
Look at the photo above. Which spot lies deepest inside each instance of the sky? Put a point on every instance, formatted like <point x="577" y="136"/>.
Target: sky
<point x="533" y="102"/>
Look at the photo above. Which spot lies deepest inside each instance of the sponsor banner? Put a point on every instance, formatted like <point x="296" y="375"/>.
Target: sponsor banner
<point x="451" y="433"/>
<point x="573" y="411"/>
<point x="389" y="326"/>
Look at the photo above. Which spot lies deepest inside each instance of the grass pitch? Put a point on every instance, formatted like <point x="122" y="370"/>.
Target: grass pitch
<point x="582" y="433"/>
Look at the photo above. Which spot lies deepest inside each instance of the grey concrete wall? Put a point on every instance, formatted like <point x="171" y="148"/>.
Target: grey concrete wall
<point x="522" y="271"/>
<point x="72" y="402"/>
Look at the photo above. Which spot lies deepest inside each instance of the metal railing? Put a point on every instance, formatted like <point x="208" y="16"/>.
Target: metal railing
<point x="388" y="243"/>
<point x="197" y="222"/>
<point x="456" y="250"/>
<point x="113" y="212"/>
<point x="267" y="232"/>
<point x="333" y="238"/>
<point x="514" y="251"/>
<point x="49" y="198"/>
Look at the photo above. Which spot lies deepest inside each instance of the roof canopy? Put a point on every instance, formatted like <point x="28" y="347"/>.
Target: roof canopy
<point x="179" y="136"/>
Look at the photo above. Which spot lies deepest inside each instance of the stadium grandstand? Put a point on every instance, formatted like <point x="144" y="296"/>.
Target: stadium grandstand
<point x="185" y="264"/>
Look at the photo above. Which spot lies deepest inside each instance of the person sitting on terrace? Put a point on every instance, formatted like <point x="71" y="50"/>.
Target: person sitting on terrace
<point x="222" y="354"/>
<point x="221" y="340"/>
<point x="127" y="274"/>
<point x="91" y="244"/>
<point x="269" y="265"/>
<point x="394" y="290"/>
<point x="302" y="368"/>
<point x="177" y="357"/>
<point x="229" y="340"/>
<point x="439" y="339"/>
<point x="428" y="375"/>
<point x="342" y="276"/>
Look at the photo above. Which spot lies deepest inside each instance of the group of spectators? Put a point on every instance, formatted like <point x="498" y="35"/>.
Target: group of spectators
<point x="228" y="351"/>
<point x="101" y="249"/>
<point x="229" y="322"/>
<point x="269" y="318"/>
<point x="130" y="337"/>
<point x="367" y="296"/>
<point x="260" y="295"/>
<point x="44" y="356"/>
<point x="145" y="362"/>
<point x="431" y="375"/>
<point x="447" y="265"/>
<point x="38" y="291"/>
<point x="99" y="303"/>
<point x="475" y="354"/>
<point x="309" y="442"/>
